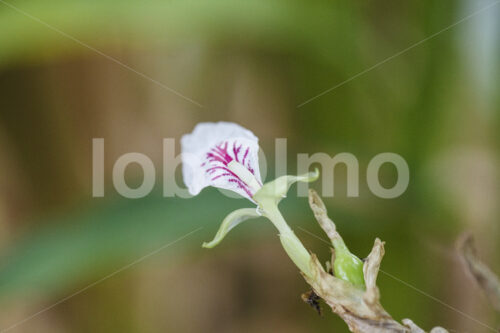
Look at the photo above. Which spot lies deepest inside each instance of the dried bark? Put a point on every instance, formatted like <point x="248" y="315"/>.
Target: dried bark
<point x="359" y="308"/>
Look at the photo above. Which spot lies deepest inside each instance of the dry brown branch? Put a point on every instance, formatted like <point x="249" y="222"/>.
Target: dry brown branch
<point x="360" y="309"/>
<point x="480" y="272"/>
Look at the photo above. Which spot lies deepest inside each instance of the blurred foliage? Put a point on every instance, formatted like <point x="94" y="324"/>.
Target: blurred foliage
<point x="424" y="104"/>
<point x="288" y="25"/>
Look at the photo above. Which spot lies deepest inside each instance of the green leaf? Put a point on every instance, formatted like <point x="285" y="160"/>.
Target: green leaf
<point x="231" y="221"/>
<point x="64" y="251"/>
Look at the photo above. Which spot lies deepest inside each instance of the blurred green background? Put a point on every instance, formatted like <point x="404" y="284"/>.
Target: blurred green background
<point x="75" y="70"/>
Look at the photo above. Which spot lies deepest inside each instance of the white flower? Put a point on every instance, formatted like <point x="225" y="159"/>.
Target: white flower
<point x="223" y="155"/>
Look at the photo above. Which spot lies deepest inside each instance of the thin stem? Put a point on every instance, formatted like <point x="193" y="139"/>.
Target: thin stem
<point x="292" y="245"/>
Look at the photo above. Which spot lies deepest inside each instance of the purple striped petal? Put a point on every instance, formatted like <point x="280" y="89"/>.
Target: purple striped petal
<point x="223" y="155"/>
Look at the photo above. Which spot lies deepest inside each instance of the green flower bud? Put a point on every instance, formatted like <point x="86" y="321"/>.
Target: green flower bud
<point x="347" y="266"/>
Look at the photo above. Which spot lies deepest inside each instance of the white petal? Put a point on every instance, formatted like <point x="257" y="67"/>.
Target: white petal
<point x="207" y="151"/>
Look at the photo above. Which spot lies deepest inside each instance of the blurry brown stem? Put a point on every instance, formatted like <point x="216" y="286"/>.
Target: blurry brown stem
<point x="480" y="272"/>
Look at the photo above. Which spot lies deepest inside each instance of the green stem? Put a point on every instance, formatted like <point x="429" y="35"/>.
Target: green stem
<point x="292" y="245"/>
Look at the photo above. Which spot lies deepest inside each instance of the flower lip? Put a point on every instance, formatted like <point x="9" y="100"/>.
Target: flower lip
<point x="223" y="155"/>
